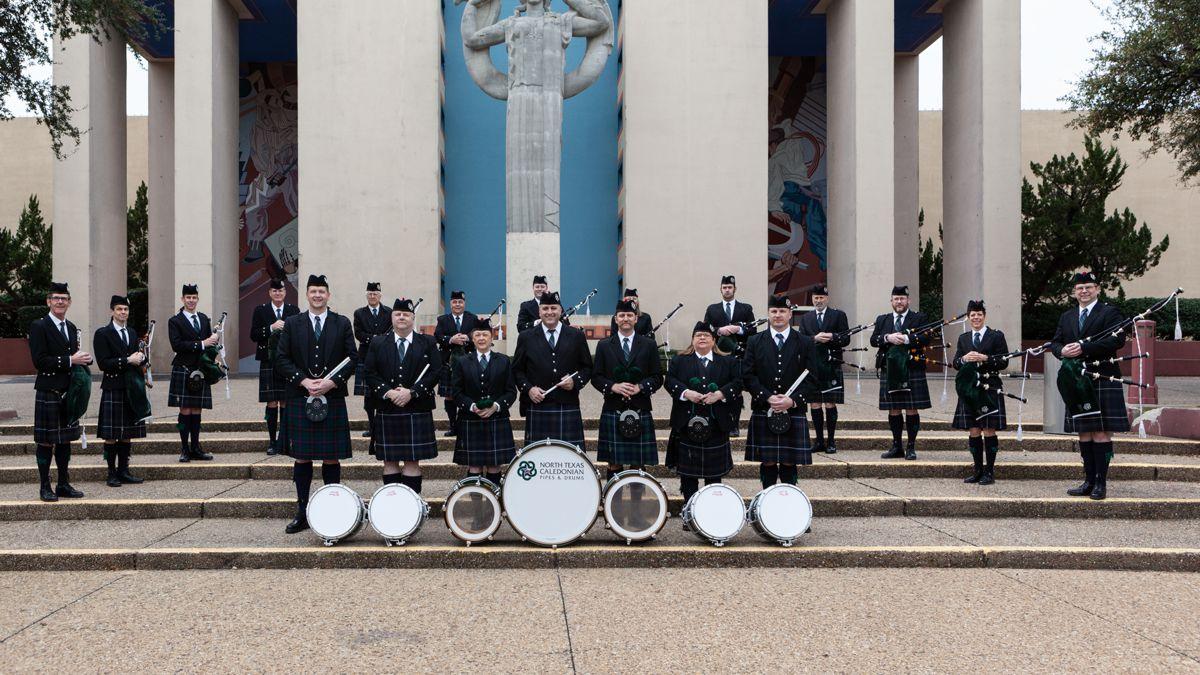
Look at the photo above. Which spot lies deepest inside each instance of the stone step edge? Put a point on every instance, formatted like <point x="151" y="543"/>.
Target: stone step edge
<point x="491" y="556"/>
<point x="1163" y="508"/>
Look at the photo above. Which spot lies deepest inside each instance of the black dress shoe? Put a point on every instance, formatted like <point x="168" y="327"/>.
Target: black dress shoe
<point x="366" y="434"/>
<point x="127" y="478"/>
<point x="987" y="478"/>
<point x="974" y="478"/>
<point x="197" y="453"/>
<point x="1099" y="492"/>
<point x="449" y="434"/>
<point x="894" y="453"/>
<point x="911" y="453"/>
<point x="112" y="480"/>
<point x="297" y="525"/>
<point x="1084" y="489"/>
<point x="831" y="450"/>
<point x="66" y="490"/>
<point x="46" y="494"/>
<point x="184" y="456"/>
<point x="271" y="450"/>
<point x="818" y="447"/>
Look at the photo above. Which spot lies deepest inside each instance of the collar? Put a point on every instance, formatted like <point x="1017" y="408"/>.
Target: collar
<point x="981" y="331"/>
<point x="113" y="323"/>
<point x="321" y="316"/>
<point x="479" y="354"/>
<point x="397" y="337"/>
<point x="621" y="336"/>
<point x="729" y="302"/>
<point x="55" y="319"/>
<point x="902" y="315"/>
<point x="190" y="315"/>
<point x="275" y="307"/>
<point x="1089" y="307"/>
<point x="706" y="357"/>
<point x="557" y="331"/>
<point x="786" y="332"/>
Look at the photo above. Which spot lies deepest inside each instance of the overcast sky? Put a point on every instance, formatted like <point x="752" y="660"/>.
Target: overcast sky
<point x="1054" y="53"/>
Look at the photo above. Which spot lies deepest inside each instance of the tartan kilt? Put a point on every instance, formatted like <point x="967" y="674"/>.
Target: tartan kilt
<point x="271" y="385"/>
<point x="616" y="449"/>
<point x="49" y="420"/>
<point x="915" y="399"/>
<point x="554" y="420"/>
<point x="997" y="421"/>
<point x="1113" y="415"/>
<point x="360" y="378"/>
<point x="399" y="435"/>
<point x="118" y="421"/>
<point x="712" y="459"/>
<point x="838" y="396"/>
<point x="320" y="441"/>
<point x="484" y="442"/>
<point x="791" y="447"/>
<point x="179" y="397"/>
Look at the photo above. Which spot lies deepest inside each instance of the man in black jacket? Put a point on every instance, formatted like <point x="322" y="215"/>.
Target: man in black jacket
<point x="894" y="330"/>
<point x="453" y="335"/>
<point x="529" y="312"/>
<point x="1086" y="332"/>
<point x="644" y="325"/>
<point x="627" y="372"/>
<point x="118" y="356"/>
<point x="828" y="327"/>
<point x="370" y="320"/>
<point x="266" y="321"/>
<point x="191" y="333"/>
<point x="732" y="320"/>
<point x="54" y="349"/>
<point x="552" y="363"/>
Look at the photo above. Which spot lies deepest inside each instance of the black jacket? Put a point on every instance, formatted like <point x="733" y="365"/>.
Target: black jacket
<point x="112" y="355"/>
<point x="367" y="326"/>
<point x="260" y="326"/>
<point x="527" y="315"/>
<point x="1100" y="323"/>
<point x="836" y="321"/>
<point x="299" y="356"/>
<point x="992" y="343"/>
<point x="51" y="354"/>
<point x="385" y="371"/>
<point x="444" y="330"/>
<point x="643" y="327"/>
<point x="535" y="365"/>
<point x="886" y="323"/>
<point x="185" y="341"/>
<point x="767" y="371"/>
<point x="726" y="371"/>
<point x="643" y="354"/>
<point x="742" y="313"/>
<point x="468" y="385"/>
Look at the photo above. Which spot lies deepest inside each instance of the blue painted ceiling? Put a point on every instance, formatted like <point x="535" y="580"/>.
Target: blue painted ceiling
<point x="269" y="36"/>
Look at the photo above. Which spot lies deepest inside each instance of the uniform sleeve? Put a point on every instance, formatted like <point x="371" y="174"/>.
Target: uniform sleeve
<point x="675" y="386"/>
<point x="283" y="356"/>
<point x="510" y="390"/>
<point x="39" y="353"/>
<point x="456" y="385"/>
<point x="600" y="379"/>
<point x="180" y="344"/>
<point x="1059" y="340"/>
<point x="107" y="358"/>
<point x="585" y="363"/>
<point x="427" y="384"/>
<point x="653" y="381"/>
<point x="840" y="325"/>
<point x="260" y="330"/>
<point x="519" y="363"/>
<point x="349" y="348"/>
<point x="750" y="380"/>
<point x="733" y="388"/>
<point x="877" y="335"/>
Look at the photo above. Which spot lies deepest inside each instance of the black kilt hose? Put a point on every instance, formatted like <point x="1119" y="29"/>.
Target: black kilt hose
<point x="790" y="447"/>
<point x="916" y="398"/>
<point x="50" y="420"/>
<point x="710" y="459"/>
<point x="118" y="421"/>
<point x="997" y="421"/>
<point x="558" y="421"/>
<point x="318" y="441"/>
<point x="486" y="442"/>
<point x="179" y="397"/>
<point x="401" y="435"/>
<point x="616" y="449"/>
<point x="1113" y="415"/>
<point x="271" y="385"/>
<point x="360" y="379"/>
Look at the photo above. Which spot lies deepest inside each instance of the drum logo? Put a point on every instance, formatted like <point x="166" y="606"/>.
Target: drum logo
<point x="526" y="470"/>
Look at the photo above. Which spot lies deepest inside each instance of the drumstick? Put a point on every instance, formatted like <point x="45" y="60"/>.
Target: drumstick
<point x="345" y="362"/>
<point x="547" y="392"/>
<point x="795" y="384"/>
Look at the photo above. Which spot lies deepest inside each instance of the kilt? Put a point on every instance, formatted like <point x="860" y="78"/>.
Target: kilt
<point x="179" y="397"/>
<point x="399" y="435"/>
<point x="915" y="399"/>
<point x="271" y="385"/>
<point x="996" y="421"/>
<point x="554" y="420"/>
<point x="711" y="459"/>
<point x="1113" y="416"/>
<point x="360" y="378"/>
<point x="318" y="441"/>
<point x="118" y="421"/>
<point x="791" y="447"/>
<point x="838" y="396"/>
<point x="484" y="442"/>
<point x="49" y="420"/>
<point x="616" y="449"/>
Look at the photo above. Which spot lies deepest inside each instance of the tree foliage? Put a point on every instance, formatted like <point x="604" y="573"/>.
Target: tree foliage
<point x="137" y="224"/>
<point x="25" y="258"/>
<point x="930" y="270"/>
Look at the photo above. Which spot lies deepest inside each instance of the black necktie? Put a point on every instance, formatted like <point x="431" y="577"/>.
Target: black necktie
<point x="278" y="313"/>
<point x="400" y="348"/>
<point x="1082" y="318"/>
<point x="551" y="339"/>
<point x="483" y="361"/>
<point x="820" y="319"/>
<point x="62" y="327"/>
<point x="317" y="328"/>
<point x="124" y="337"/>
<point x="899" y="322"/>
<point x="625" y="348"/>
<point x="196" y="323"/>
<point x="704" y="361"/>
<point x="779" y="341"/>
<point x="458" y="323"/>
<point x="375" y="311"/>
<point x="729" y="311"/>
<point x="975" y="341"/>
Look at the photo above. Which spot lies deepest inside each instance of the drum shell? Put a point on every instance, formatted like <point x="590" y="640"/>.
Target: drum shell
<point x="646" y="479"/>
<point x="488" y="487"/>
<point x="511" y="502"/>
<point x="688" y="515"/>
<point x="754" y="515"/>
<point x="423" y="506"/>
<point x="332" y="538"/>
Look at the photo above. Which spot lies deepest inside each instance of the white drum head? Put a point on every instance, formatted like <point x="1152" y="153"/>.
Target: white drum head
<point x="473" y="512"/>
<point x="334" y="511"/>
<point x="635" y="505"/>
<point x="396" y="511"/>
<point x="783" y="511"/>
<point x="718" y="512"/>
<point x="551" y="493"/>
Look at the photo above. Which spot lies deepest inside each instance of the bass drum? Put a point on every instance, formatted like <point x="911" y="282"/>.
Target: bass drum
<point x="473" y="510"/>
<point x="551" y="493"/>
<point x="335" y="512"/>
<point x="635" y="506"/>
<point x="397" y="513"/>
<point x="716" y="513"/>
<point x="781" y="513"/>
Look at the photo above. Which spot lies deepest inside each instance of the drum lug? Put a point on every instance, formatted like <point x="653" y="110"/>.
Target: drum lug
<point x="628" y="541"/>
<point x="718" y="544"/>
<point x="330" y="542"/>
<point x="786" y="544"/>
<point x="468" y="544"/>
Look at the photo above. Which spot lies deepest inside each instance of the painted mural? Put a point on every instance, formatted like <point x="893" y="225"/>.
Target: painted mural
<point x="267" y="189"/>
<point x="797" y="197"/>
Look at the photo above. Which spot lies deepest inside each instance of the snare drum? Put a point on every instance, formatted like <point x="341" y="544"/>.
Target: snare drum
<point x="335" y="512"/>
<point x="472" y="510"/>
<point x="397" y="513"/>
<point x="781" y="513"/>
<point x="551" y="493"/>
<point x="716" y="513"/>
<point x="635" y="505"/>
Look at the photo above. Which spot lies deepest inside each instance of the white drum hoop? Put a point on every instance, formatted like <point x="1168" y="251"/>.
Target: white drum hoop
<point x="694" y="506"/>
<point x="516" y="468"/>
<point x="474" y="485"/>
<point x="758" y="519"/>
<point x="638" y="477"/>
<point x="376" y="513"/>
<point x="336" y="531"/>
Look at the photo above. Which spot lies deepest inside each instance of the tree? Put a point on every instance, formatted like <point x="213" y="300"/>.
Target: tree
<point x="29" y="26"/>
<point x="26" y="258"/>
<point x="1064" y="227"/>
<point x="1145" y="79"/>
<point x="930" y="270"/>
<point x="137" y="223"/>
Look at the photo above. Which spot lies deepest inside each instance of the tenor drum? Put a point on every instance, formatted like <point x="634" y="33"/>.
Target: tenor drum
<point x="472" y="510"/>
<point x="635" y="506"/>
<point x="335" y="512"/>
<point x="781" y="513"/>
<point x="551" y="493"/>
<point x="397" y="513"/>
<point x="716" y="513"/>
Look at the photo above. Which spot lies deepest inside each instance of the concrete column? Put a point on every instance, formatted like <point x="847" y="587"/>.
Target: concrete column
<point x="981" y="160"/>
<point x="695" y="94"/>
<point x="160" y="188"/>
<point x="369" y="120"/>
<point x="908" y="177"/>
<point x="861" y="147"/>
<point x="206" y="144"/>
<point x="89" y="183"/>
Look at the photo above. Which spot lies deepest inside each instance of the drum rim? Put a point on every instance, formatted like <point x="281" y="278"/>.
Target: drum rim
<point x="631" y="475"/>
<point x="696" y="526"/>
<point x="475" y="480"/>
<point x="497" y="516"/>
<point x="423" y="508"/>
<point x="579" y="451"/>
<point x="362" y="515"/>
<point x="760" y="527"/>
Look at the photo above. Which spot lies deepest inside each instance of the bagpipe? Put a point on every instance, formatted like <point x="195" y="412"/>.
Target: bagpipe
<point x="138" y="379"/>
<point x="978" y="384"/>
<point x="893" y="362"/>
<point x="654" y="331"/>
<point x="212" y="367"/>
<point x="729" y="345"/>
<point x="571" y="312"/>
<point x="827" y="370"/>
<point x="500" y="326"/>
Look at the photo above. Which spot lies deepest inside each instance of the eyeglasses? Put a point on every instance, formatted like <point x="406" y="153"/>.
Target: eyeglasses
<point x="60" y="298"/>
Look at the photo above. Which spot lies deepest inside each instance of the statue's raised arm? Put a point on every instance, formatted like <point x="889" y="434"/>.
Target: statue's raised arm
<point x="595" y="22"/>
<point x="480" y="31"/>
